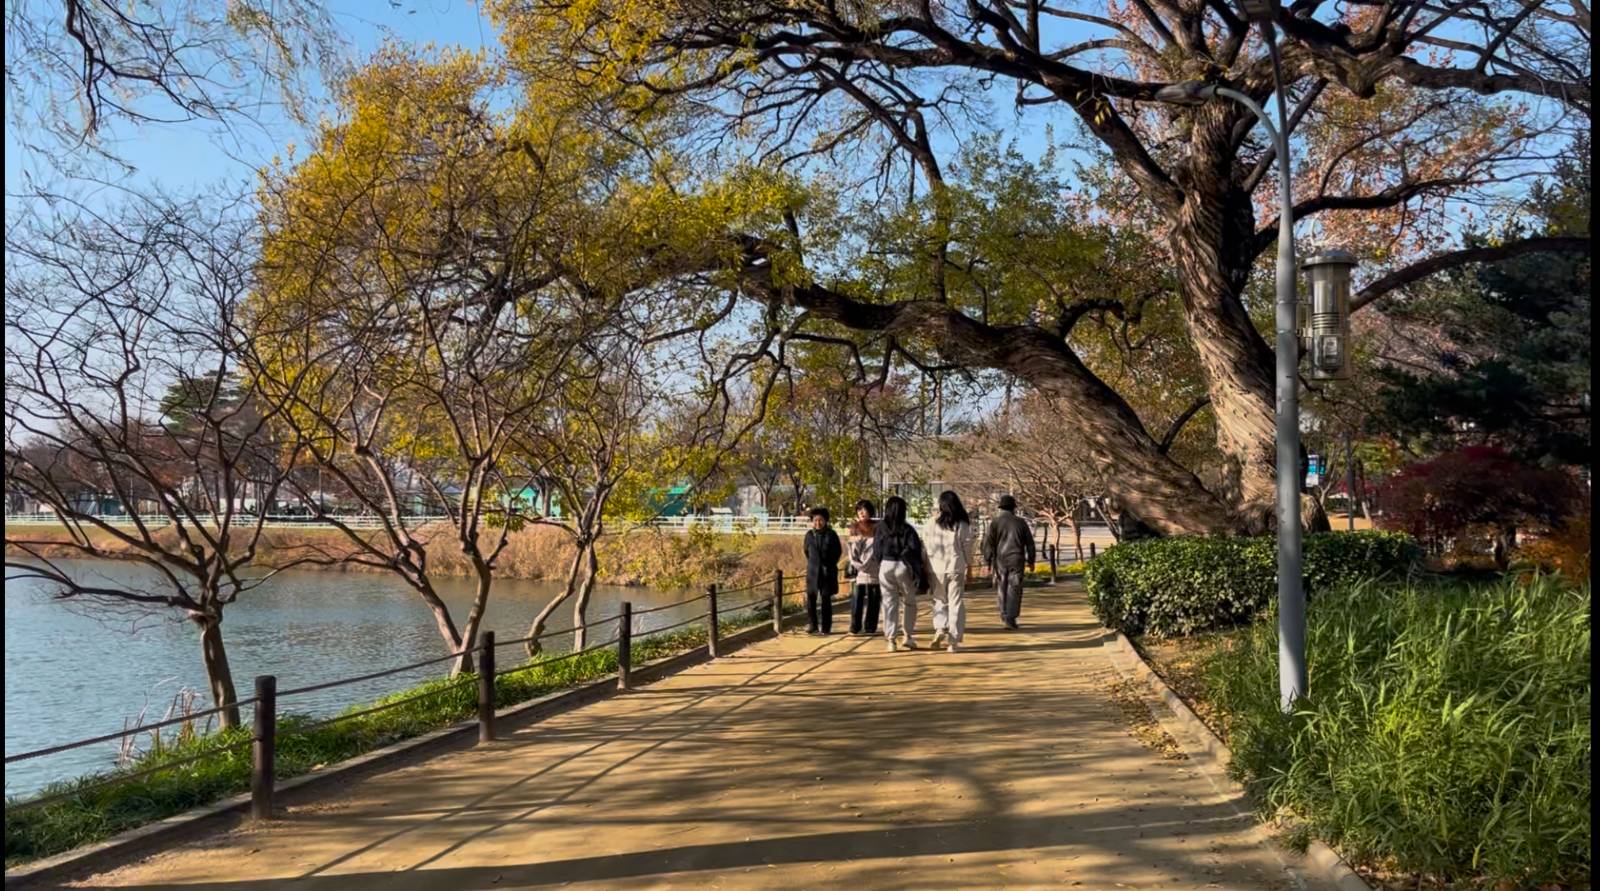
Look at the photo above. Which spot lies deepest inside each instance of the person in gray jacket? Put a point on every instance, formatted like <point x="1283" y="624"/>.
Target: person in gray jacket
<point x="1009" y="551"/>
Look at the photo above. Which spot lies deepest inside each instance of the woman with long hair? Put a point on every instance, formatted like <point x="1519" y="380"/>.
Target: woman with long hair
<point x="866" y="597"/>
<point x="948" y="539"/>
<point x="901" y="573"/>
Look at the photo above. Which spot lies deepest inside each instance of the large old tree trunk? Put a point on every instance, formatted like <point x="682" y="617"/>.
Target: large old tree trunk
<point x="1213" y="236"/>
<point x="1144" y="479"/>
<point x="1158" y="489"/>
<point x="1211" y="240"/>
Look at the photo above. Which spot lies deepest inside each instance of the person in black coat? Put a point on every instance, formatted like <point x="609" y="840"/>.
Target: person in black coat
<point x="822" y="551"/>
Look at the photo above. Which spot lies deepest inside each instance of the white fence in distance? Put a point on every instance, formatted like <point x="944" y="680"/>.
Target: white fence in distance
<point x="1097" y="534"/>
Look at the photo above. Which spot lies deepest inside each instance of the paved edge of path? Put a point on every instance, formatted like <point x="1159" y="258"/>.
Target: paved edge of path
<point x="1168" y="708"/>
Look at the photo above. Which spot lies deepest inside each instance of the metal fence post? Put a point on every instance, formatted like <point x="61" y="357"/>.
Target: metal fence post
<point x="1091" y="550"/>
<point x="263" y="748"/>
<point x="486" y="689"/>
<point x="777" y="603"/>
<point x="625" y="647"/>
<point x="711" y="625"/>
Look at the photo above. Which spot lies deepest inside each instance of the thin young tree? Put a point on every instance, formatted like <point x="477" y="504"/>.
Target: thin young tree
<point x="647" y="408"/>
<point x="1050" y="470"/>
<point x="417" y="316"/>
<point x="107" y="315"/>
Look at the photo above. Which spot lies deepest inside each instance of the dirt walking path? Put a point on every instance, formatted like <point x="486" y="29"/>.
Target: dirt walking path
<point x="799" y="762"/>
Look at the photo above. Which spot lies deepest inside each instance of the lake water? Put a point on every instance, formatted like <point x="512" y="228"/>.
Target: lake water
<point x="75" y="670"/>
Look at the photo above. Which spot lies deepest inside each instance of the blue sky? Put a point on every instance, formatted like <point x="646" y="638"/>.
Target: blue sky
<point x="184" y="156"/>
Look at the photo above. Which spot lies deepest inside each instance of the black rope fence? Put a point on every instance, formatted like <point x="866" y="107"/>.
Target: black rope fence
<point x="541" y="663"/>
<point x="657" y="609"/>
<point x="675" y="626"/>
<point x="559" y="631"/>
<point x="328" y="685"/>
<point x="763" y="583"/>
<point x="426" y="694"/>
<point x="121" y="734"/>
<point x="120" y="778"/>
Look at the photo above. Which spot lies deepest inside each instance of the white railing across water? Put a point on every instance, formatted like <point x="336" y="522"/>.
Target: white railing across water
<point x="760" y="525"/>
<point x="272" y="522"/>
<point x="716" y="523"/>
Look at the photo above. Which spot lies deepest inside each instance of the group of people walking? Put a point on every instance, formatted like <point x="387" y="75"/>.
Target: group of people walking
<point x="892" y="565"/>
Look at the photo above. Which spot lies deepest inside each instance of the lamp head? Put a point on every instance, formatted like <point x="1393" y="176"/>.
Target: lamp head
<point x="1189" y="92"/>
<point x="1329" y="313"/>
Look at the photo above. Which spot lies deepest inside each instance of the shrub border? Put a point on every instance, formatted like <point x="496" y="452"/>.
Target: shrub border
<point x="1332" y="868"/>
<point x="128" y="846"/>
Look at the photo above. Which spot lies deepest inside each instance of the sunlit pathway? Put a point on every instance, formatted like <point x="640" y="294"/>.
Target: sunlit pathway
<point x="797" y="763"/>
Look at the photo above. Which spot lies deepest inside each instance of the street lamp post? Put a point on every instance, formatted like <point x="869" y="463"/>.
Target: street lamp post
<point x="1291" y="587"/>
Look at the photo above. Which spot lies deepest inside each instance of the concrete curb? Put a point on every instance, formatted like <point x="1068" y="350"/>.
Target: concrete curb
<point x="229" y="812"/>
<point x="1329" y="864"/>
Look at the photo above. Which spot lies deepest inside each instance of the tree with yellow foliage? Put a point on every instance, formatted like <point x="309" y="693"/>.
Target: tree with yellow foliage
<point x="461" y="296"/>
<point x="414" y="307"/>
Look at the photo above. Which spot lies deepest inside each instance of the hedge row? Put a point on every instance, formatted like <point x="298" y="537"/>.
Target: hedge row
<point x="1170" y="587"/>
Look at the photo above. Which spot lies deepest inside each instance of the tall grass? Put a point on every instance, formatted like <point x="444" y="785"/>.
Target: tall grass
<point x="94" y="814"/>
<point x="636" y="557"/>
<point x="1446" y="730"/>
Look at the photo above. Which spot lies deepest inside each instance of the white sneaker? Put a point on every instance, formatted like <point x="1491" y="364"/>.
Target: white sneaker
<point x="894" y="646"/>
<point x="939" y="637"/>
<point x="955" y="647"/>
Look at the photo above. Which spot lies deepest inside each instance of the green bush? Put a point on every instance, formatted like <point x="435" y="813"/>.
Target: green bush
<point x="1446" y="730"/>
<point x="1166" y="587"/>
<point x="99" y="813"/>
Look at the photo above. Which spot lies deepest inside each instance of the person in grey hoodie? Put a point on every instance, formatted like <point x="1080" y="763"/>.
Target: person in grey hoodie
<point x="1008" y="549"/>
<point x="902" y="573"/>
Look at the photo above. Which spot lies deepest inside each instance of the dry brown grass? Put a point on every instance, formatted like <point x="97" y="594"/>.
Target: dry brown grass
<point x="638" y="557"/>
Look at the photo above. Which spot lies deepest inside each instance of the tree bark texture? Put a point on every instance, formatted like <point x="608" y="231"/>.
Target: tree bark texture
<point x="1208" y="241"/>
<point x="580" y="608"/>
<point x="219" y="675"/>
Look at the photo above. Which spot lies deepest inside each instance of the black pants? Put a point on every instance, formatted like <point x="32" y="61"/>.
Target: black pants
<point x="866" y="603"/>
<point x="819" y="602"/>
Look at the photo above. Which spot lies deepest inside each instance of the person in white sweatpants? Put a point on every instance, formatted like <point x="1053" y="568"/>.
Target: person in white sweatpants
<point x="899" y="585"/>
<point x="948" y="542"/>
<point x="902" y="573"/>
